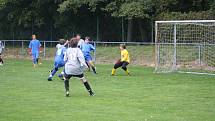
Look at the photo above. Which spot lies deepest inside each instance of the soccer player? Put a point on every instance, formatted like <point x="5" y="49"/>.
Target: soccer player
<point x="86" y="48"/>
<point x="80" y="41"/>
<point x="74" y="66"/>
<point x="123" y="62"/>
<point x="34" y="50"/>
<point x="1" y="48"/>
<point x="59" y="56"/>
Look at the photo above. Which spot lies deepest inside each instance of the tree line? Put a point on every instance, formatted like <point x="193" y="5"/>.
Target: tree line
<point x="102" y="20"/>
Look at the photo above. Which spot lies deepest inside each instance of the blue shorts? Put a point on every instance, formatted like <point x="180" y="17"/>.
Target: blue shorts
<point x="87" y="58"/>
<point x="35" y="55"/>
<point x="59" y="64"/>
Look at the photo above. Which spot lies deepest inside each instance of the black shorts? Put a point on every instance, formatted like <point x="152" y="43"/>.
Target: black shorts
<point x="121" y="64"/>
<point x="68" y="76"/>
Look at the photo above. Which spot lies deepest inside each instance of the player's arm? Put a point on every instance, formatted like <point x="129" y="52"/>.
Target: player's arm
<point x="92" y="47"/>
<point x="67" y="41"/>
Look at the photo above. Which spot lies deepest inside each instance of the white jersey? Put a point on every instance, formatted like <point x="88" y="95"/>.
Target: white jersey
<point x="1" y="46"/>
<point x="80" y="42"/>
<point x="75" y="61"/>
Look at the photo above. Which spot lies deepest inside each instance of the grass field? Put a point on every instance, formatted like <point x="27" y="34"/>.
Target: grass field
<point x="26" y="95"/>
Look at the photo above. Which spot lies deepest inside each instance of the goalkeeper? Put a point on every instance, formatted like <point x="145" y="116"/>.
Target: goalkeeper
<point x="123" y="62"/>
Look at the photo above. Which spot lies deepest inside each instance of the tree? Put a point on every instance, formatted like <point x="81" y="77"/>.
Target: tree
<point x="49" y="16"/>
<point x="130" y="10"/>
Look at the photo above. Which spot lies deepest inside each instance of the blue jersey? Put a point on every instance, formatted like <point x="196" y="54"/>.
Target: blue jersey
<point x="86" y="48"/>
<point x="59" y="56"/>
<point x="35" y="46"/>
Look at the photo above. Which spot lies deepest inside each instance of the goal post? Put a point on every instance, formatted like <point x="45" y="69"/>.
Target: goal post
<point x="185" y="46"/>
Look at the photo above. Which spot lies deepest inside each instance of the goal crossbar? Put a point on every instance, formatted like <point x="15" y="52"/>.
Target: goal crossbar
<point x="186" y="21"/>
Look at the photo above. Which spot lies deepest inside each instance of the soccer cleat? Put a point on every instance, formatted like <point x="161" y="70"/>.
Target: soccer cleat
<point x="67" y="93"/>
<point x="92" y="94"/>
<point x="49" y="79"/>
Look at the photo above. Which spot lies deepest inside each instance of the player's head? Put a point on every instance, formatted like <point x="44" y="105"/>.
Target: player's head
<point x="62" y="41"/>
<point x="87" y="39"/>
<point x="122" y="46"/>
<point x="73" y="42"/>
<point x="33" y="36"/>
<point x="78" y="36"/>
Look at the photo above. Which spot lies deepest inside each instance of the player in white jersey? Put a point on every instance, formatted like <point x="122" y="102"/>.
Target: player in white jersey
<point x="1" y="48"/>
<point x="75" y="65"/>
<point x="80" y="41"/>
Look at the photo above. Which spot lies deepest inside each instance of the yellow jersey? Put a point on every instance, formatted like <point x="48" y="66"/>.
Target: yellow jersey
<point x="125" y="56"/>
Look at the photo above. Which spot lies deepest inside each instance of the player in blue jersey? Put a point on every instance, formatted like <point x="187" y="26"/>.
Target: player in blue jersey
<point x="34" y="49"/>
<point x="59" y="56"/>
<point x="86" y="48"/>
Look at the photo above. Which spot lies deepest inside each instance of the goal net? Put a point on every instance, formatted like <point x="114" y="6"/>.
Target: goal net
<point x="185" y="46"/>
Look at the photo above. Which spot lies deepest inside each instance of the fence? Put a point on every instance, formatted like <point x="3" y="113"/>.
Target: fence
<point x="106" y="52"/>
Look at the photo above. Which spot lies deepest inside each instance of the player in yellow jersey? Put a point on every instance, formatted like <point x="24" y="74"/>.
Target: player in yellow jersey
<point x="123" y="62"/>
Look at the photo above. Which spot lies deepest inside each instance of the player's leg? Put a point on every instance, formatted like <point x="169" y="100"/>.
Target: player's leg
<point x="34" y="59"/>
<point x="86" y="84"/>
<point x="57" y="65"/>
<point x="37" y="57"/>
<point x="117" y="65"/>
<point x="61" y="75"/>
<point x="124" y="67"/>
<point x="53" y="71"/>
<point x="92" y="66"/>
<point x="88" y="59"/>
<point x="1" y="60"/>
<point x="66" y="84"/>
<point x="88" y="65"/>
<point x="39" y="61"/>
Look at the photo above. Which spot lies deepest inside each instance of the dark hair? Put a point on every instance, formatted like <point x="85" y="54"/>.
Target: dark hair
<point x="78" y="35"/>
<point x="87" y="38"/>
<point x="73" y="42"/>
<point x="123" y="46"/>
<point x="61" y="41"/>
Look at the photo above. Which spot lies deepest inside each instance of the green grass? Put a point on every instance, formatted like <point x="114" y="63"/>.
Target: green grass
<point x="25" y="95"/>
